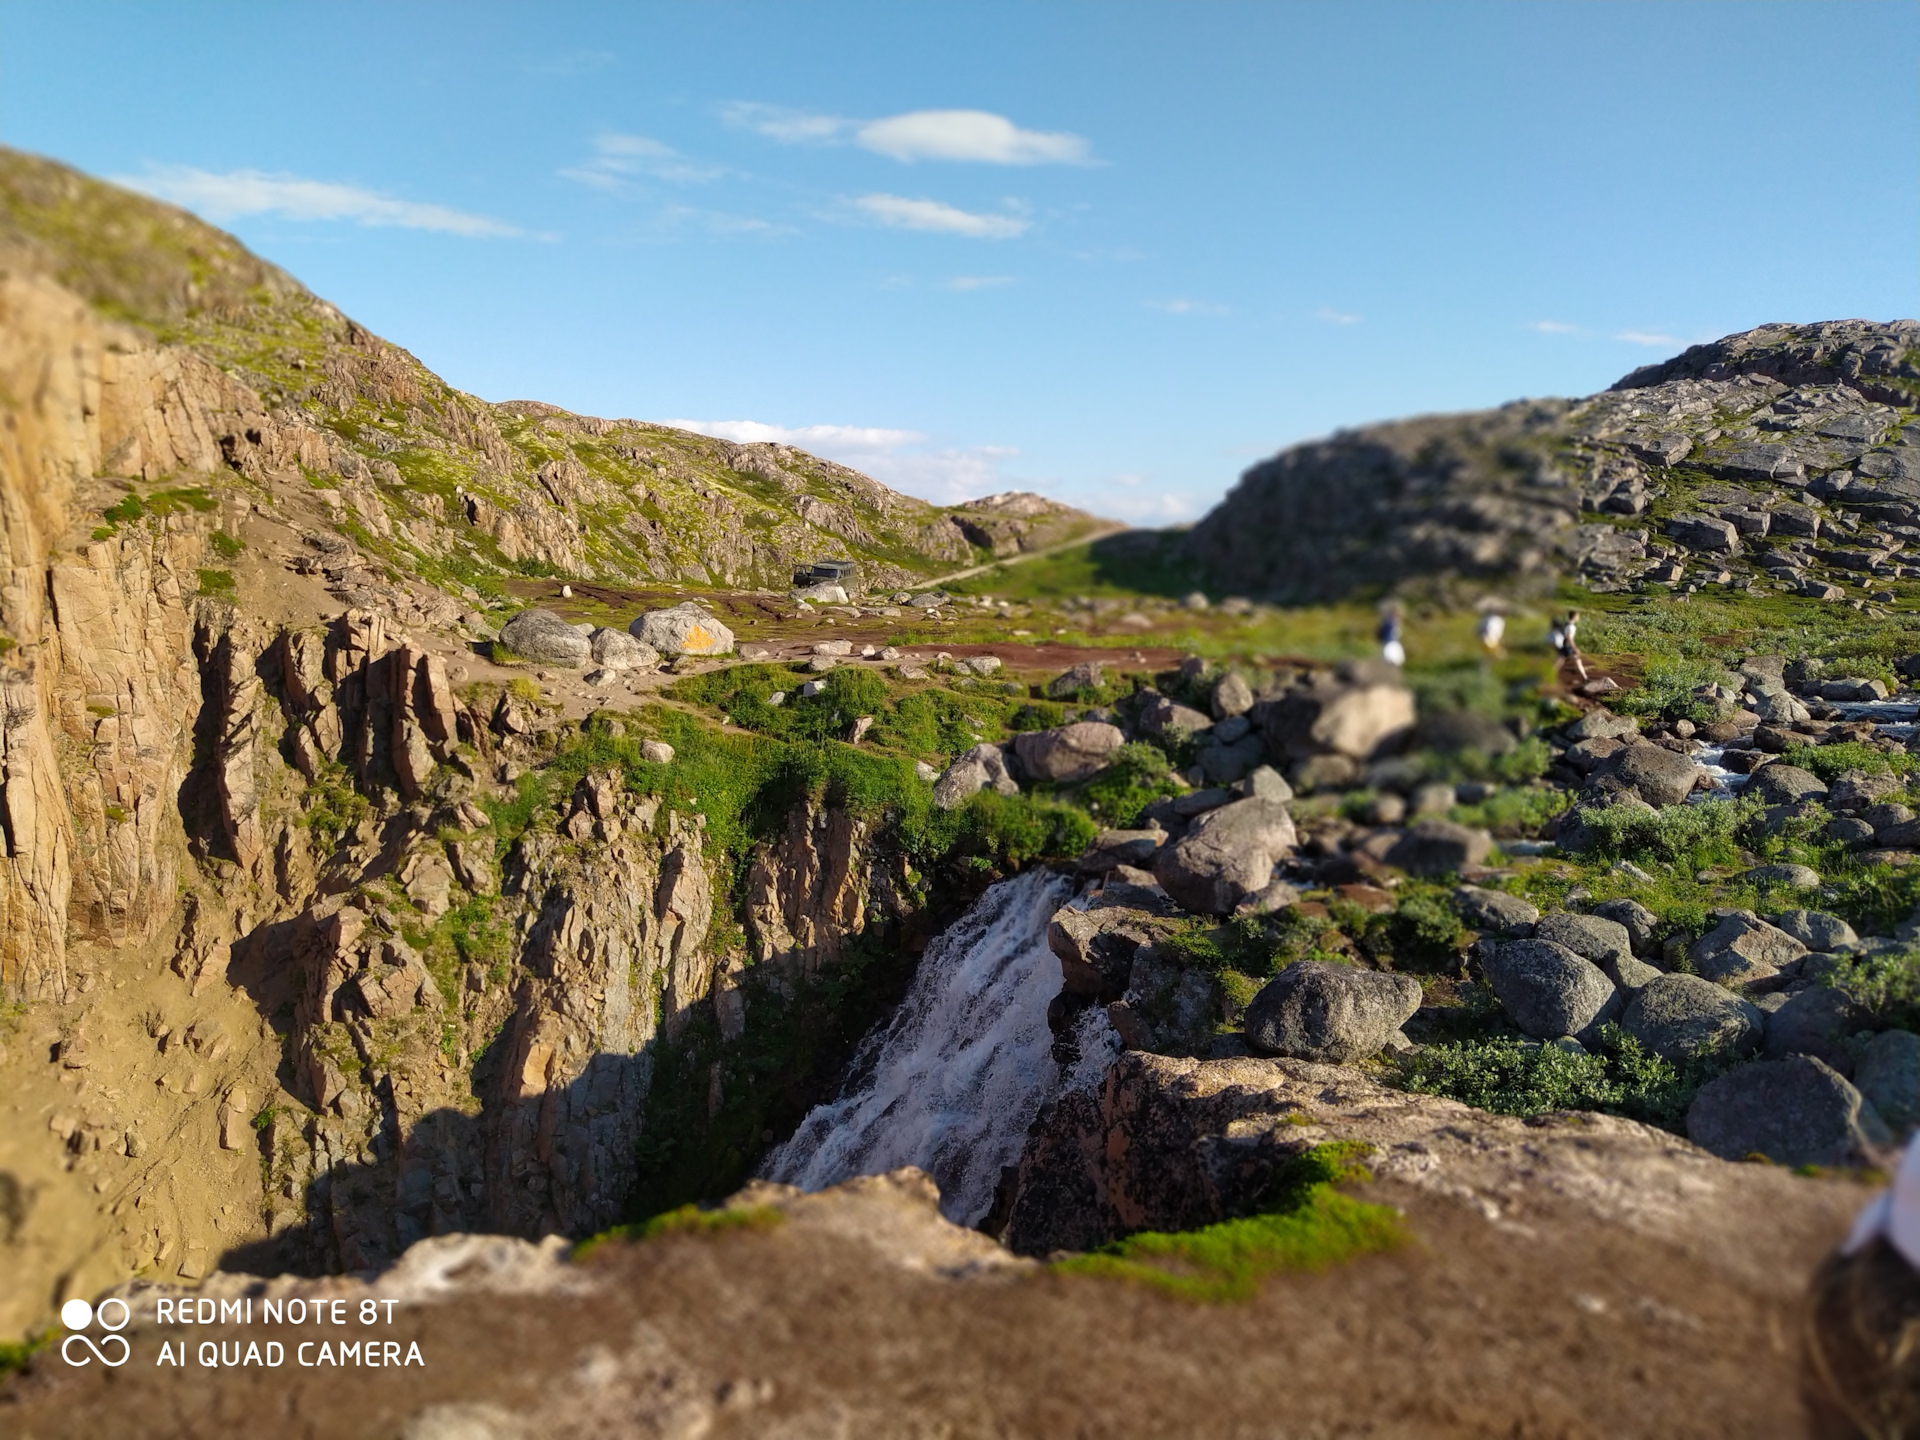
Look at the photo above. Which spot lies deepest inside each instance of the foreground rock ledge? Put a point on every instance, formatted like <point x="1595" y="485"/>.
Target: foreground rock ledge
<point x="1573" y="1276"/>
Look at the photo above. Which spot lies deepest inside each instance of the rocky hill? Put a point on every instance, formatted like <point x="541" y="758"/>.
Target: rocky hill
<point x="1782" y="458"/>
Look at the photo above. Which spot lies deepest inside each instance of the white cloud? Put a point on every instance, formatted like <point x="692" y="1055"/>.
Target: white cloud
<point x="1553" y="327"/>
<point x="972" y="135"/>
<point x="946" y="477"/>
<point x="828" y="440"/>
<point x="228" y="196"/>
<point x="789" y="127"/>
<point x="1165" y="507"/>
<point x="901" y="213"/>
<point x="617" y="159"/>
<point x="1187" y="307"/>
<point x="717" y="222"/>
<point x="976" y="136"/>
<point x="1330" y="316"/>
<point x="978" y="282"/>
<point x="1643" y="337"/>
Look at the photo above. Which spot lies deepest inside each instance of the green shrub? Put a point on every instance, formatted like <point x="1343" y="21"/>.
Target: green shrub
<point x="1885" y="986"/>
<point x="125" y="510"/>
<point x="1515" y="811"/>
<point x="1666" y="689"/>
<point x="1304" y="1223"/>
<point x="1691" y="837"/>
<point x="1514" y="1077"/>
<point x="1830" y="762"/>
<point x="227" y="547"/>
<point x="686" y="1220"/>
<point x="1135" y="776"/>
<point x="217" y="584"/>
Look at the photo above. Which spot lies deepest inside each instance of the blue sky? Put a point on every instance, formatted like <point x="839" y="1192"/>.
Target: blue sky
<point x="1113" y="252"/>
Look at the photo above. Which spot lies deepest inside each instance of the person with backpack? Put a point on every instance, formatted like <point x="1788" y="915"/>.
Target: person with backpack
<point x="1564" y="637"/>
<point x="1391" y="649"/>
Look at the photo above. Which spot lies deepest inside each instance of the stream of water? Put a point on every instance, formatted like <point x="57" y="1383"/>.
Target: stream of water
<point x="952" y="1081"/>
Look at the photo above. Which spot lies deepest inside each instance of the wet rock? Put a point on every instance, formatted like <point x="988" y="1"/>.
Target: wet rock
<point x="1549" y="991"/>
<point x="1641" y="924"/>
<point x="684" y="629"/>
<point x="1888" y="1078"/>
<point x="1783" y="784"/>
<point x="1742" y="947"/>
<point x="1332" y="1013"/>
<point x="617" y="650"/>
<point x="1069" y="752"/>
<point x="970" y="773"/>
<point x="1440" y="847"/>
<point x="1679" y="1017"/>
<point x="1226" y="856"/>
<point x="1495" y="911"/>
<point x="1796" y="1111"/>
<point x="543" y="637"/>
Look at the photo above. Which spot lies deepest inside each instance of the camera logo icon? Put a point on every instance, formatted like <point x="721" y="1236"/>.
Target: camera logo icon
<point x="78" y="1316"/>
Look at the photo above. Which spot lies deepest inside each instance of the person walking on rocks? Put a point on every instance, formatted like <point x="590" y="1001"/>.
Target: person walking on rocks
<point x="1391" y="649"/>
<point x="1493" y="629"/>
<point x="1564" y="637"/>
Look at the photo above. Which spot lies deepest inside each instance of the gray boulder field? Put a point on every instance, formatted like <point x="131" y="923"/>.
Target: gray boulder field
<point x="1336" y="1014"/>
<point x="1226" y="856"/>
<point x="1797" y="1111"/>
<point x="1680" y="1016"/>
<point x="1547" y="990"/>
<point x="542" y="636"/>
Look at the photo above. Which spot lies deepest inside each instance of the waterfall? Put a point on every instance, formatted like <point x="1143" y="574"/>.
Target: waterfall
<point x="954" y="1079"/>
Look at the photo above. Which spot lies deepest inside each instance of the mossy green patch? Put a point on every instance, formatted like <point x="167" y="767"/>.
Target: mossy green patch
<point x="686" y="1220"/>
<point x="1305" y="1224"/>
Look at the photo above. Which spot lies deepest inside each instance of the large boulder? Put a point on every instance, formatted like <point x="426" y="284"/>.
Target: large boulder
<point x="1333" y="1013"/>
<point x="1161" y="716"/>
<point x="1815" y="1021"/>
<point x="1087" y="675"/>
<point x="1888" y="1077"/>
<point x="1120" y="847"/>
<point x="617" y="650"/>
<point x="1096" y="943"/>
<point x="684" y="629"/>
<point x="1547" y="990"/>
<point x="1440" y="847"/>
<point x="1495" y="911"/>
<point x="1069" y="752"/>
<point x="1654" y="773"/>
<point x="1816" y="929"/>
<point x="1680" y="1016"/>
<point x="1782" y="784"/>
<point x="1743" y="947"/>
<point x="1797" y="1111"/>
<point x="1605" y="942"/>
<point x="1705" y="532"/>
<point x="1640" y="923"/>
<point x="1602" y="724"/>
<point x="1227" y="855"/>
<point x="1358" y="721"/>
<point x="970" y="773"/>
<point x="543" y="637"/>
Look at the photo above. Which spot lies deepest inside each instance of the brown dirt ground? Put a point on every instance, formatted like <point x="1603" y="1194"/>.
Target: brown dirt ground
<point x="1562" y="1328"/>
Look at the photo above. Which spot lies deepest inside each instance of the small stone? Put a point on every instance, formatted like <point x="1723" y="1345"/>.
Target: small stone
<point x="1799" y="877"/>
<point x="1264" y="782"/>
<point x="1495" y="911"/>
<point x="656" y="752"/>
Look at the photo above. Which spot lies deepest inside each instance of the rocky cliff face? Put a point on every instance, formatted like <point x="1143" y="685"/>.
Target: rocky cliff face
<point x="302" y="956"/>
<point x="1805" y="424"/>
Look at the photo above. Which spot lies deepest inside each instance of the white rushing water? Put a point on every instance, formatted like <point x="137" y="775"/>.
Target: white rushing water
<point x="954" y="1079"/>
